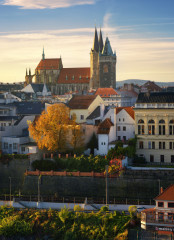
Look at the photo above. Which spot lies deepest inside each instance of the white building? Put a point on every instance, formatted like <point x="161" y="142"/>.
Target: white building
<point x="160" y="218"/>
<point x="118" y="125"/>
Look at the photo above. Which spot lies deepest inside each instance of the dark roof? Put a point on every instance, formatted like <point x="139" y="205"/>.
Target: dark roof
<point x="6" y="87"/>
<point x="38" y="87"/>
<point x="96" y="112"/>
<point x="151" y="86"/>
<point x="8" y="118"/>
<point x="167" y="194"/>
<point x="29" y="108"/>
<point x="156" y="97"/>
<point x="104" y="127"/>
<point x="81" y="101"/>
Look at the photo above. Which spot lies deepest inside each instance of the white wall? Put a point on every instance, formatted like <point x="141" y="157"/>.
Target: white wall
<point x="103" y="140"/>
<point x="125" y="120"/>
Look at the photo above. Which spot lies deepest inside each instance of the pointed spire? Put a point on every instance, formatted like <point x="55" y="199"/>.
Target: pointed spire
<point x="100" y="41"/>
<point x="43" y="55"/>
<point x="107" y="50"/>
<point x="96" y="45"/>
<point x="29" y="71"/>
<point x="26" y="72"/>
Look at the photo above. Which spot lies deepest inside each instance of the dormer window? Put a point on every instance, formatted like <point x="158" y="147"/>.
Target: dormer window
<point x="66" y="77"/>
<point x="73" y="77"/>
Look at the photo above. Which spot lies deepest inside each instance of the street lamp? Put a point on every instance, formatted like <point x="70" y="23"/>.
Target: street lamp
<point x="107" y="193"/>
<point x="10" y="187"/>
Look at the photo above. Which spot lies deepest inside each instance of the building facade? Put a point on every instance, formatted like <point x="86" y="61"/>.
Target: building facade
<point x="154" y="126"/>
<point x="101" y="73"/>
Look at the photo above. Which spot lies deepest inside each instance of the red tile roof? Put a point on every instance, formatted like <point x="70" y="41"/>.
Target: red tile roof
<point x="48" y="64"/>
<point x="81" y="101"/>
<point x="167" y="194"/>
<point x="104" y="127"/>
<point x="74" y="75"/>
<point x="129" y="110"/>
<point x="105" y="92"/>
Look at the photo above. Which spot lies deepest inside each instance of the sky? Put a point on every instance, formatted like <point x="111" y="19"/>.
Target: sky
<point x="140" y="31"/>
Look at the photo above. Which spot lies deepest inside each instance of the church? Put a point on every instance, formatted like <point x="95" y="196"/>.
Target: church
<point x="100" y="74"/>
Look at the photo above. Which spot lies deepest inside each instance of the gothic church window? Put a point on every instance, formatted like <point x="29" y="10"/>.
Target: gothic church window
<point x="105" y="68"/>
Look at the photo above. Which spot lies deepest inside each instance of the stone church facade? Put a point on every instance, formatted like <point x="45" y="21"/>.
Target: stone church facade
<point x="102" y="71"/>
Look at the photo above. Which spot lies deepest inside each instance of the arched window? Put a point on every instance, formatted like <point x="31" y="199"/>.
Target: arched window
<point x="162" y="127"/>
<point x="151" y="127"/>
<point x="141" y="127"/>
<point x="171" y="127"/>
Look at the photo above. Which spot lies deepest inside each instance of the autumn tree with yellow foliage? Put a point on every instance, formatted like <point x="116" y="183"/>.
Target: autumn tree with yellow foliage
<point x="52" y="129"/>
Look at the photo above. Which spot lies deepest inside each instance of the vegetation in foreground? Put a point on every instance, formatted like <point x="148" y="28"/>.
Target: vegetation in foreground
<point x="64" y="224"/>
<point x="81" y="163"/>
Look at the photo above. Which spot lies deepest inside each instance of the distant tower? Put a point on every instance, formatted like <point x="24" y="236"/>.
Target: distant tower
<point x="107" y="66"/>
<point x="28" y="78"/>
<point x="43" y="55"/>
<point x="94" y="62"/>
<point x="102" y="63"/>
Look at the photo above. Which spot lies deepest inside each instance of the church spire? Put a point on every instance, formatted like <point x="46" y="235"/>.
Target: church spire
<point x="26" y="72"/>
<point x="96" y="45"/>
<point x="43" y="55"/>
<point x="100" y="41"/>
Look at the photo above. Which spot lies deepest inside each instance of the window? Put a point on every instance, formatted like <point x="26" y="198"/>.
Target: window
<point x="15" y="145"/>
<point x="119" y="119"/>
<point x="124" y="138"/>
<point x="161" y="158"/>
<point x="5" y="145"/>
<point x="171" y="127"/>
<point x="81" y="117"/>
<point x="171" y="145"/>
<point x="149" y="145"/>
<point x="123" y="119"/>
<point x="172" y="158"/>
<point x="151" y="127"/>
<point x="141" y="145"/>
<point x="141" y="127"/>
<point x="118" y="128"/>
<point x="124" y="128"/>
<point x="171" y="217"/>
<point x="119" y="138"/>
<point x="162" y="145"/>
<point x="105" y="68"/>
<point x="162" y="130"/>
<point x="160" y="204"/>
<point x="23" y="149"/>
<point x="153" y="145"/>
<point x="151" y="158"/>
<point x="170" y="204"/>
<point x="160" y="216"/>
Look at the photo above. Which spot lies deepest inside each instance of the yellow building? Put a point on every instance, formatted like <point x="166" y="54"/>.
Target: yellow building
<point x="154" y="126"/>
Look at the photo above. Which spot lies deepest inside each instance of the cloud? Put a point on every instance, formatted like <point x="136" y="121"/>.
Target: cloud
<point x="136" y="57"/>
<point x="106" y="19"/>
<point x="42" y="4"/>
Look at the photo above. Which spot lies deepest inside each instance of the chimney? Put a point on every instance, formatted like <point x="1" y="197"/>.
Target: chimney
<point x="161" y="190"/>
<point x="102" y="108"/>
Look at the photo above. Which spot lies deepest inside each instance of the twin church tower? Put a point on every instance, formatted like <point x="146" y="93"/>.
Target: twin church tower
<point x="102" y="63"/>
<point x="102" y="71"/>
